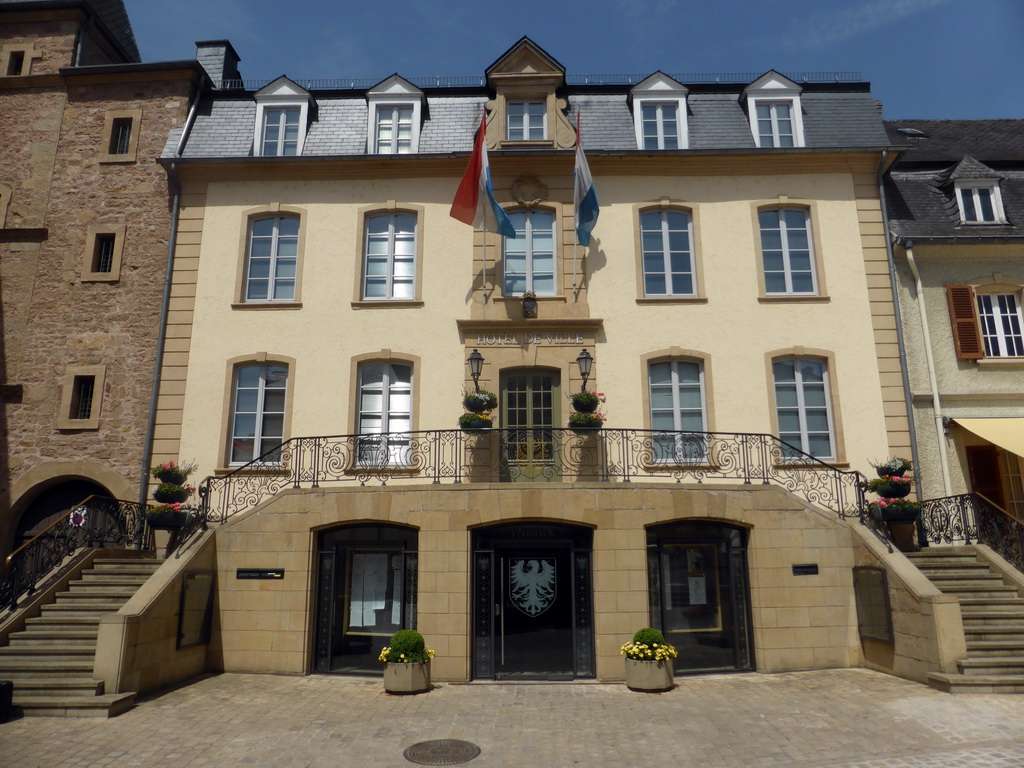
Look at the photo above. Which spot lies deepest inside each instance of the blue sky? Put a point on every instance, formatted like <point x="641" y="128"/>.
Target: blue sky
<point x="925" y="59"/>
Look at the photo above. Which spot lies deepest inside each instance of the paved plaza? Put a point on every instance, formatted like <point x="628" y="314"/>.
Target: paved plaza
<point x="849" y="718"/>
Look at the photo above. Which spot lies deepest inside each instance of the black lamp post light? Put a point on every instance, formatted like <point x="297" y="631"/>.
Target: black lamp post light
<point x="476" y="365"/>
<point x="586" y="363"/>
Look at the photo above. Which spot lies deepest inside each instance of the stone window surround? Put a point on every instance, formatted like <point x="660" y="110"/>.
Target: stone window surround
<point x="555" y="209"/>
<point x="5" y="201"/>
<point x="828" y="358"/>
<point x="686" y="355"/>
<point x="811" y="207"/>
<point x="73" y="372"/>
<point x="390" y="206"/>
<point x="135" y="115"/>
<point x="29" y="54"/>
<point x="696" y="261"/>
<point x="267" y="211"/>
<point x="232" y="365"/>
<point x="390" y="357"/>
<point x="92" y="232"/>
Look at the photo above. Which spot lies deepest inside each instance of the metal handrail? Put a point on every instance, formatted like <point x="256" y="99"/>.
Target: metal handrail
<point x="95" y="522"/>
<point x="541" y="454"/>
<point x="973" y="518"/>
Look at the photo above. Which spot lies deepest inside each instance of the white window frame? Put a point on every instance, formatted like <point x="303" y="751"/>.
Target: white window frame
<point x="272" y="278"/>
<point x="260" y="413"/>
<point x="528" y="250"/>
<point x="660" y="90"/>
<point x="795" y="120"/>
<point x="281" y="94"/>
<point x="800" y="387"/>
<point x="965" y="189"/>
<point x="689" y="447"/>
<point x="391" y="114"/>
<point x="772" y="89"/>
<point x="375" y="452"/>
<point x="665" y="254"/>
<point x="389" y="257"/>
<point x="787" y="252"/>
<point x="525" y="122"/>
<point x="1002" y="323"/>
<point x="393" y="93"/>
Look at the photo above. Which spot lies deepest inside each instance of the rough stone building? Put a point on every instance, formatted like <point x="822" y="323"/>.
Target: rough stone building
<point x="84" y="223"/>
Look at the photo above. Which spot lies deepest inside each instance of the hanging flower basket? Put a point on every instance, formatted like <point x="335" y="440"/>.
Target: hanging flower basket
<point x="478" y="402"/>
<point x="895" y="510"/>
<point x="585" y="422"/>
<point x="586" y="402"/>
<point x="471" y="421"/>
<point x="169" y="517"/>
<point x="890" y="486"/>
<point x="174" y="495"/>
<point x="894" y="467"/>
<point x="173" y="474"/>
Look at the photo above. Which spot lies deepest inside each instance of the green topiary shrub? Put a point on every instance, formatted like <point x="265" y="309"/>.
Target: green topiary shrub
<point x="649" y="636"/>
<point x="407" y="646"/>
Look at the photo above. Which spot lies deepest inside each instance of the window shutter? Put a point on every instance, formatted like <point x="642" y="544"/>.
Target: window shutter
<point x="964" y="317"/>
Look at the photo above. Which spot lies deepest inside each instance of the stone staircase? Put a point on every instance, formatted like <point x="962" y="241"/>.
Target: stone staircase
<point x="50" y="661"/>
<point x="993" y="616"/>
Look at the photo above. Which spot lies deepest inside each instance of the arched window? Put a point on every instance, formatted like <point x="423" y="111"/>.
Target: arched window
<point x="666" y="238"/>
<point x="389" y="267"/>
<point x="259" y="393"/>
<point x="678" y="411"/>
<point x="384" y="410"/>
<point x="803" y="407"/>
<point x="787" y="254"/>
<point x="271" y="259"/>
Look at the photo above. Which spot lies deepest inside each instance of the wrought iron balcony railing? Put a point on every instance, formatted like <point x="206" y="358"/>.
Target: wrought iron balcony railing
<point x="971" y="518"/>
<point x="94" y="523"/>
<point x="533" y="455"/>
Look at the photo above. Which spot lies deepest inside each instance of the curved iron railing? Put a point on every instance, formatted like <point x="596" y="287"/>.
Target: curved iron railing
<point x="539" y="455"/>
<point x="971" y="518"/>
<point x="95" y="522"/>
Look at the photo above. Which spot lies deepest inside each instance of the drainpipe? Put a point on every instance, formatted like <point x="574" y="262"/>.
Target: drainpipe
<point x="901" y="343"/>
<point x="933" y="383"/>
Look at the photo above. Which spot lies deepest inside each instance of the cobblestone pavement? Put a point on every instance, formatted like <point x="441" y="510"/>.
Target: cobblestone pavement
<point x="833" y="719"/>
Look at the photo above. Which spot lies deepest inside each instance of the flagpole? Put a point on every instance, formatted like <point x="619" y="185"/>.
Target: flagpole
<point x="576" y="239"/>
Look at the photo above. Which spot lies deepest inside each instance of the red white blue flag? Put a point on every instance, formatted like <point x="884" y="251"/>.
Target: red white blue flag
<point x="476" y="194"/>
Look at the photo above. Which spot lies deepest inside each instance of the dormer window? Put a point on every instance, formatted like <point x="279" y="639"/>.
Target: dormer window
<point x="394" y="116"/>
<point x="282" y="117"/>
<point x="659" y="113"/>
<point x="980" y="202"/>
<point x="527" y="121"/>
<point x="773" y="106"/>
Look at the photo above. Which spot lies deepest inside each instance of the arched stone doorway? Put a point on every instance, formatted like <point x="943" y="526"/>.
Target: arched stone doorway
<point x="49" y="503"/>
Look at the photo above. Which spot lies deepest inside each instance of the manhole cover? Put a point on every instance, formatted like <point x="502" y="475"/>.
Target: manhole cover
<point x="442" y="752"/>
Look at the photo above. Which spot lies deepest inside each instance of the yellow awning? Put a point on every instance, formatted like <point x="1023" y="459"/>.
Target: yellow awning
<point x="1008" y="434"/>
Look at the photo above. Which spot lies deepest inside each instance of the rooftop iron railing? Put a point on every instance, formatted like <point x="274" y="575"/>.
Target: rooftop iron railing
<point x="97" y="522"/>
<point x="533" y="455"/>
<point x="970" y="518"/>
<point x="479" y="81"/>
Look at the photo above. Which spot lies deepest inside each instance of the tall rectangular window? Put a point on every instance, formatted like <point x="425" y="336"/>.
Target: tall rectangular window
<point x="527" y="120"/>
<point x="389" y="271"/>
<point x="530" y="255"/>
<point x="16" y="63"/>
<point x="82" y="393"/>
<point x="775" y="124"/>
<point x="272" y="259"/>
<point x="103" y="252"/>
<point x="660" y="126"/>
<point x="384" y="414"/>
<point x="803" y="408"/>
<point x="257" y="413"/>
<point x="394" y="129"/>
<point x="1000" y="318"/>
<point x="667" y="243"/>
<point x="280" y="132"/>
<point x="676" y="390"/>
<point x="120" y="136"/>
<point x="786" y="254"/>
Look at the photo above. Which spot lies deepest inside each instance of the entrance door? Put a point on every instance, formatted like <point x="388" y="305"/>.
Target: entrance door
<point x="529" y="409"/>
<point x="532" y="602"/>
<point x="366" y="591"/>
<point x="698" y="576"/>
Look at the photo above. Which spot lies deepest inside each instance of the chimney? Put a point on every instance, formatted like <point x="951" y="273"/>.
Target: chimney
<point x="220" y="61"/>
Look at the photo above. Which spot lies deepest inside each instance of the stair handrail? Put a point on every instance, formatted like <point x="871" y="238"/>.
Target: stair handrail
<point x="974" y="517"/>
<point x="95" y="522"/>
<point x="456" y="456"/>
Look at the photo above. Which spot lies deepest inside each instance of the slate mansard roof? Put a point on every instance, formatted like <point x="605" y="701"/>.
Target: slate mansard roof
<point x="921" y="187"/>
<point x="834" y="116"/>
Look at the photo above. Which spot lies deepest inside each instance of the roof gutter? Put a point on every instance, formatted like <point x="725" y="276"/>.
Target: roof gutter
<point x="900" y="341"/>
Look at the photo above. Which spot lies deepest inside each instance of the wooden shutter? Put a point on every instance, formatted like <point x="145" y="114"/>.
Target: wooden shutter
<point x="964" y="317"/>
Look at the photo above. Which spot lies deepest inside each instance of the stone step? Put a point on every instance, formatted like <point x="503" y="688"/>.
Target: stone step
<point x="72" y="686"/>
<point x="977" y="590"/>
<point x="992" y="665"/>
<point x="81" y="607"/>
<point x="45" y="666"/>
<point x="97" y="595"/>
<point x="37" y="645"/>
<point x="962" y="572"/>
<point x="1000" y="647"/>
<point x="976" y="683"/>
<point x="113" y="579"/>
<point x="101" y="585"/>
<point x="54" y="633"/>
<point x="1012" y="604"/>
<point x="994" y="633"/>
<point x="123" y="565"/>
<point x="980" y="618"/>
<point x="951" y="563"/>
<point x="106" y="705"/>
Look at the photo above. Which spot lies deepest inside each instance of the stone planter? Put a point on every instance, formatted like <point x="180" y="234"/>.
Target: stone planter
<point x="649" y="676"/>
<point x="402" y="678"/>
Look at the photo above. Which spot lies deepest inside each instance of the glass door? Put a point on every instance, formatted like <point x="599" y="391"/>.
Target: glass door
<point x="529" y="409"/>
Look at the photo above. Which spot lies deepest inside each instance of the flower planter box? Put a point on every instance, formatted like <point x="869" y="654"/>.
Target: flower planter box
<point x="172" y="476"/>
<point x="476" y="424"/>
<point x="403" y="678"/>
<point x="167" y="521"/>
<point x="170" y="497"/>
<point x="649" y="676"/>
<point x="893" y="490"/>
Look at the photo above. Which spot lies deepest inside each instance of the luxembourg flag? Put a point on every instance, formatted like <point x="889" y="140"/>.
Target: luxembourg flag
<point x="475" y="193"/>
<point x="585" y="197"/>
